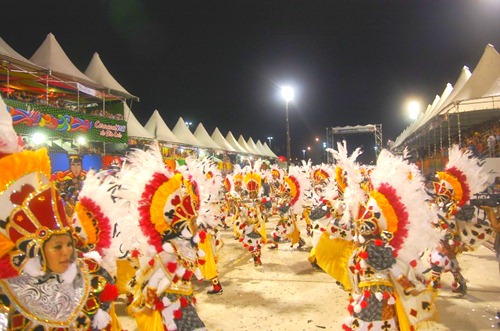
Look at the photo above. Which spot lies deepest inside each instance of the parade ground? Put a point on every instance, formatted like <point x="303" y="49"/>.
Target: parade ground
<point x="286" y="293"/>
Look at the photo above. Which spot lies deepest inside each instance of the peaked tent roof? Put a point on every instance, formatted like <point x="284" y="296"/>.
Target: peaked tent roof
<point x="134" y="128"/>
<point x="244" y="144"/>
<point x="8" y="53"/>
<point x="271" y="153"/>
<point x="232" y="141"/>
<point x="51" y="56"/>
<point x="485" y="79"/>
<point x="97" y="71"/>
<point x="251" y="144"/>
<point x="430" y="114"/>
<point x="219" y="139"/>
<point x="181" y="131"/>
<point x="159" y="129"/>
<point x="260" y="148"/>
<point x="202" y="135"/>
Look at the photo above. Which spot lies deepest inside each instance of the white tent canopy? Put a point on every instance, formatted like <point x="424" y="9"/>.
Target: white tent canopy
<point x="219" y="139"/>
<point x="232" y="141"/>
<point x="202" y="135"/>
<point x="97" y="71"/>
<point x="268" y="149"/>
<point x="245" y="146"/>
<point x="159" y="129"/>
<point x="251" y="144"/>
<point x="181" y="131"/>
<point x="134" y="128"/>
<point x="260" y="148"/>
<point x="10" y="54"/>
<point x="51" y="56"/>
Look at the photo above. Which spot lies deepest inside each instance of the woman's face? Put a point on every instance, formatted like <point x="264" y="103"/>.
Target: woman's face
<point x="58" y="251"/>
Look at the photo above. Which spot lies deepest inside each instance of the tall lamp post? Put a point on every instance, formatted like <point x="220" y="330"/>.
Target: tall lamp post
<point x="270" y="142"/>
<point x="287" y="93"/>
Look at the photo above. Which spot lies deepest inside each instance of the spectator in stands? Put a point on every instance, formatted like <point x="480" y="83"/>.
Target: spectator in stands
<point x="491" y="142"/>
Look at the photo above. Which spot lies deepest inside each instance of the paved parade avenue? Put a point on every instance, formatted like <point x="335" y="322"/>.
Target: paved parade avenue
<point x="286" y="293"/>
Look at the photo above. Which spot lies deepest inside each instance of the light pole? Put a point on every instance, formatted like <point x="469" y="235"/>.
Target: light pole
<point x="189" y="124"/>
<point x="287" y="93"/>
<point x="304" y="154"/>
<point x="270" y="142"/>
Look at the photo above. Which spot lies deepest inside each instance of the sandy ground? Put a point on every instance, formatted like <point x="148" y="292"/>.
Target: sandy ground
<point x="287" y="293"/>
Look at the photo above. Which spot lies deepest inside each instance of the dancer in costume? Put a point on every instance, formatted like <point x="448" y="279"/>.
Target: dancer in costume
<point x="45" y="285"/>
<point x="461" y="179"/>
<point x="167" y="205"/>
<point x="391" y="232"/>
<point x="209" y="180"/>
<point x="253" y="226"/>
<point x="335" y="245"/>
<point x="295" y="190"/>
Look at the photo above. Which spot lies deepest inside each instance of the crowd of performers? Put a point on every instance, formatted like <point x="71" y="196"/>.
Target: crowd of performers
<point x="383" y="232"/>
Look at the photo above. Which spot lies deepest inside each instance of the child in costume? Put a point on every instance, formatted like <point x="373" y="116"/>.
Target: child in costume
<point x="45" y="285"/>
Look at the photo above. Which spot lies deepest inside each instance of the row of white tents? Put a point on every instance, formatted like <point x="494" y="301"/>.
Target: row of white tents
<point x="472" y="100"/>
<point x="156" y="128"/>
<point x="50" y="59"/>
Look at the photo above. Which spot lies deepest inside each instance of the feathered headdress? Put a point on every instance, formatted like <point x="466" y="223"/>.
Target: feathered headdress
<point x="31" y="210"/>
<point x="91" y="217"/>
<point x="209" y="181"/>
<point x="349" y="178"/>
<point x="253" y="182"/>
<point x="462" y="177"/>
<point x="167" y="203"/>
<point x="298" y="185"/>
<point x="397" y="207"/>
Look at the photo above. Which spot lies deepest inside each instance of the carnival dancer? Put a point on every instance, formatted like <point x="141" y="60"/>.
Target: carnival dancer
<point x="45" y="285"/>
<point x="209" y="180"/>
<point x="335" y="244"/>
<point x="167" y="206"/>
<point x="236" y="194"/>
<point x="392" y="231"/>
<point x="253" y="226"/>
<point x="295" y="190"/>
<point x="461" y="179"/>
<point x="98" y="221"/>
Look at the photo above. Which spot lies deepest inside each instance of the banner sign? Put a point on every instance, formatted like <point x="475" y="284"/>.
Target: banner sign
<point x="59" y="123"/>
<point x="88" y="90"/>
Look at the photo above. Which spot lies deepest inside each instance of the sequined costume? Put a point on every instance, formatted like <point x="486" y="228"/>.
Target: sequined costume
<point x="391" y="231"/>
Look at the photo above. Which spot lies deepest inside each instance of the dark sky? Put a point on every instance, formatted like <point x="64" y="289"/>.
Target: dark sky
<point x="221" y="63"/>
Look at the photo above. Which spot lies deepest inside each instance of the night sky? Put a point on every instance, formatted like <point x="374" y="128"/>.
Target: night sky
<point x="221" y="63"/>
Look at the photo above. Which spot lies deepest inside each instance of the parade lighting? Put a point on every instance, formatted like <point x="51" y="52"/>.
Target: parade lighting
<point x="304" y="154"/>
<point x="38" y="138"/>
<point x="287" y="93"/>
<point x="81" y="140"/>
<point x="413" y="109"/>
